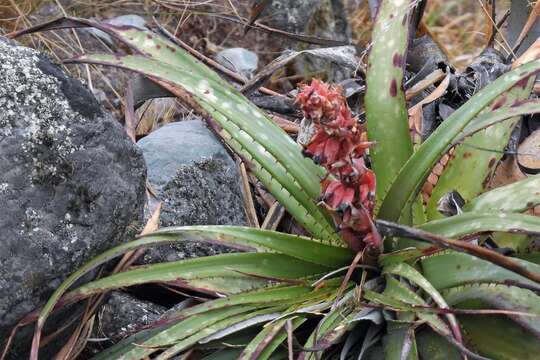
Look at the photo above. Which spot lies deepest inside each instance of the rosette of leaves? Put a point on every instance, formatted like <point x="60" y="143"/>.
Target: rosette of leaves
<point x="434" y="296"/>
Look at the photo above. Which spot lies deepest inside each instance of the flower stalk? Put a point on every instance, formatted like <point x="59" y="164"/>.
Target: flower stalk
<point x="339" y="145"/>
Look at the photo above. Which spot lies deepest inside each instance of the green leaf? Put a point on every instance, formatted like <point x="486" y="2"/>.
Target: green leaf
<point x="493" y="118"/>
<point x="132" y="346"/>
<point x="395" y="292"/>
<point x="397" y="296"/>
<point x="218" y="264"/>
<point x="386" y="110"/>
<point x="472" y="223"/>
<point x="517" y="242"/>
<point x="224" y="354"/>
<point x="405" y="255"/>
<point x="501" y="297"/>
<point x="216" y="310"/>
<point x="410" y="273"/>
<point x="192" y="330"/>
<point x="516" y="197"/>
<point x="450" y="268"/>
<point x="471" y="165"/>
<point x="394" y="341"/>
<point x="330" y="329"/>
<point x="532" y="257"/>
<point x="499" y="338"/>
<point x="274" y="243"/>
<point x="299" y="247"/>
<point x="279" y="163"/>
<point x="227" y="273"/>
<point x="268" y="339"/>
<point x="411" y="177"/>
<point x="434" y="347"/>
<point x="232" y="354"/>
<point x="296" y="294"/>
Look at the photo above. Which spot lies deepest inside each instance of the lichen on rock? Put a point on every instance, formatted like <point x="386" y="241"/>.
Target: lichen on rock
<point x="71" y="182"/>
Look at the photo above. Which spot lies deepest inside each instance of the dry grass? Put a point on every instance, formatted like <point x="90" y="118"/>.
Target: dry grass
<point x="460" y="27"/>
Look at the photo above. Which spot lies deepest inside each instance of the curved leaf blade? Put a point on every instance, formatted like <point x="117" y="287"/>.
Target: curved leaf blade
<point x="268" y="339"/>
<point x="471" y="165"/>
<point x="448" y="269"/>
<point x="151" y="240"/>
<point x="411" y="177"/>
<point x="299" y="247"/>
<point x="472" y="223"/>
<point x="502" y="297"/>
<point x="227" y="273"/>
<point x="410" y="273"/>
<point x="516" y="197"/>
<point x="498" y="337"/>
<point x="396" y="340"/>
<point x="215" y="310"/>
<point x="434" y="347"/>
<point x="386" y="110"/>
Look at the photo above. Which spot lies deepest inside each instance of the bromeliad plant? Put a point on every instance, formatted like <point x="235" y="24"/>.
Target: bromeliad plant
<point x="429" y="296"/>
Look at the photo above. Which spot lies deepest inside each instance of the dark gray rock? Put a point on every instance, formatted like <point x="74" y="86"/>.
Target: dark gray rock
<point x="71" y="183"/>
<point x="197" y="181"/>
<point x="424" y="57"/>
<point x="325" y="19"/>
<point x="240" y="60"/>
<point x="123" y="315"/>
<point x="519" y="14"/>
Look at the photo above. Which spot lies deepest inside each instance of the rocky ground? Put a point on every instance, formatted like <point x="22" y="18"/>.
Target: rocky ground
<point x="73" y="184"/>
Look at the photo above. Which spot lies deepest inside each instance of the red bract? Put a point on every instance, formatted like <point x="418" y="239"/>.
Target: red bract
<point x="319" y="100"/>
<point x="339" y="145"/>
<point x="327" y="149"/>
<point x="336" y="194"/>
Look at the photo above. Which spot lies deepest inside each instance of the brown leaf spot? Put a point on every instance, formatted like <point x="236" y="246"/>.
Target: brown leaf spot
<point x="393" y="88"/>
<point x="148" y="36"/>
<point x="519" y="102"/>
<point x="467" y="155"/>
<point x="158" y="46"/>
<point x="492" y="162"/>
<point x="498" y="103"/>
<point x="523" y="83"/>
<point x="397" y="60"/>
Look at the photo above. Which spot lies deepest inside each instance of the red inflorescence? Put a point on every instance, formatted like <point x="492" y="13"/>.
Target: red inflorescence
<point x="339" y="146"/>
